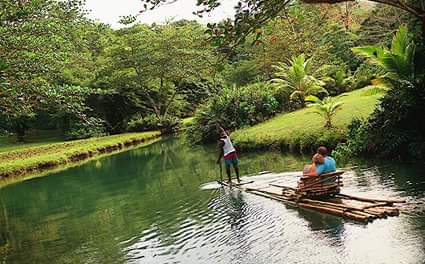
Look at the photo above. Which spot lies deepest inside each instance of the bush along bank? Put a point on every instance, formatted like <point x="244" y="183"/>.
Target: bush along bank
<point x="235" y="107"/>
<point x="48" y="156"/>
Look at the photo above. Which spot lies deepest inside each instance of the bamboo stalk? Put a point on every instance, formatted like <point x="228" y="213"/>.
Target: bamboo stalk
<point x="344" y="206"/>
<point x="353" y="209"/>
<point x="337" y="212"/>
<point x="390" y="210"/>
<point x="362" y="214"/>
<point x="264" y="194"/>
<point x="282" y="186"/>
<point x="373" y="205"/>
<point x="339" y="206"/>
<point x="390" y="201"/>
<point x="377" y="213"/>
<point x="333" y="211"/>
<point x="319" y="188"/>
<point x="386" y="211"/>
<point x="277" y="195"/>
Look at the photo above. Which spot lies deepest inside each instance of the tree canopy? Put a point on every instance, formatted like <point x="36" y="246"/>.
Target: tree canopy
<point x="252" y="14"/>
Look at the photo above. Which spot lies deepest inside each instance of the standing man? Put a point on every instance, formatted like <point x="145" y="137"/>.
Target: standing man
<point x="228" y="151"/>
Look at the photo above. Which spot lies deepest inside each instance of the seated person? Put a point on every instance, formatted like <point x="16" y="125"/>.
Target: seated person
<point x="311" y="170"/>
<point x="329" y="164"/>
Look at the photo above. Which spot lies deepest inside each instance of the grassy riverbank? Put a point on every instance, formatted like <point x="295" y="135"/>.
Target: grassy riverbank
<point x="26" y="160"/>
<point x="304" y="130"/>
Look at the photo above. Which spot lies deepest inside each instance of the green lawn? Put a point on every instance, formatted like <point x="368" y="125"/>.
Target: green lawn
<point x="32" y="139"/>
<point x="33" y="157"/>
<point x="304" y="129"/>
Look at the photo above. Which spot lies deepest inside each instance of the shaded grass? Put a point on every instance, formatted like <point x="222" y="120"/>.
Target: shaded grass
<point x="303" y="129"/>
<point x="32" y="139"/>
<point x="50" y="155"/>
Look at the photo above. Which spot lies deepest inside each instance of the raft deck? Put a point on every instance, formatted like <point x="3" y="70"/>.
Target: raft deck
<point x="356" y="208"/>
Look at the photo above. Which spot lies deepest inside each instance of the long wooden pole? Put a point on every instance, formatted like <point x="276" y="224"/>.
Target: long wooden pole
<point x="390" y="201"/>
<point x="284" y="187"/>
<point x="351" y="215"/>
<point x="357" y="216"/>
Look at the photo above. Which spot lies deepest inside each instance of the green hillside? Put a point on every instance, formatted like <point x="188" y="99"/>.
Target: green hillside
<point x="304" y="129"/>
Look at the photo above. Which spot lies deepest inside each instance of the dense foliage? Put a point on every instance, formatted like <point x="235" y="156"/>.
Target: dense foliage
<point x="393" y="129"/>
<point x="253" y="14"/>
<point x="234" y="107"/>
<point x="61" y="71"/>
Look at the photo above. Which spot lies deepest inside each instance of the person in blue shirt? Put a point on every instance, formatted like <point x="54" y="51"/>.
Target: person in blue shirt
<point x="329" y="164"/>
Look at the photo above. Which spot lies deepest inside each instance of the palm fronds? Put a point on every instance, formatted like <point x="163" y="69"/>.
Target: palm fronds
<point x="398" y="61"/>
<point x="327" y="108"/>
<point x="294" y="77"/>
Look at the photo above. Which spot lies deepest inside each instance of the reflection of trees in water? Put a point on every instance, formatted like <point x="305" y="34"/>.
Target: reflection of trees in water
<point x="85" y="212"/>
<point x="4" y="233"/>
<point x="272" y="161"/>
<point x="85" y="209"/>
<point x="378" y="174"/>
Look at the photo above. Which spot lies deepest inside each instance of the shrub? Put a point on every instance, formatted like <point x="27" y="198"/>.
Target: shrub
<point x="242" y="72"/>
<point x="394" y="126"/>
<point x="139" y="124"/>
<point x="234" y="108"/>
<point x="357" y="142"/>
<point x="336" y="79"/>
<point x="364" y="75"/>
<point x="91" y="127"/>
<point x="392" y="131"/>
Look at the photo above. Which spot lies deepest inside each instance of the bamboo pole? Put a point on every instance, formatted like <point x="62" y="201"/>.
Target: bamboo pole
<point x="284" y="187"/>
<point x="373" y="205"/>
<point x="344" y="206"/>
<point x="336" y="212"/>
<point x="379" y="214"/>
<point x="390" y="201"/>
<point x="357" y="216"/>
<point x="362" y="214"/>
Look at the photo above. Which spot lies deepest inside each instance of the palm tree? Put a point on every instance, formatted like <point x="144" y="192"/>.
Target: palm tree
<point x="327" y="108"/>
<point x="398" y="61"/>
<point x="295" y="78"/>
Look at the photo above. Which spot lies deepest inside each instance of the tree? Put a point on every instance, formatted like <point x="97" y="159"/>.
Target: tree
<point x="252" y="14"/>
<point x="35" y="47"/>
<point x="327" y="108"/>
<point x="296" y="79"/>
<point x="414" y="7"/>
<point x="399" y="61"/>
<point x="148" y="64"/>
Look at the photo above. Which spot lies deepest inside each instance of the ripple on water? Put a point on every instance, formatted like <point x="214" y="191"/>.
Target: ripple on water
<point x="236" y="227"/>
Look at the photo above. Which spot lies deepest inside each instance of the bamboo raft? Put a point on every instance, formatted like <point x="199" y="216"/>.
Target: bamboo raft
<point x="322" y="194"/>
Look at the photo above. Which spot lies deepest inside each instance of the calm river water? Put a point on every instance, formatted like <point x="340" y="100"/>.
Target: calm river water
<point x="146" y="206"/>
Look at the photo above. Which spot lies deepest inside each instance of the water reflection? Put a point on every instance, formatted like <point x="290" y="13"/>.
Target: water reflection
<point x="145" y="206"/>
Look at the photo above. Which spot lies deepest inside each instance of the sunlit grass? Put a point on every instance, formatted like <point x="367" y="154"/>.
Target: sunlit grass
<point x="48" y="155"/>
<point x="304" y="128"/>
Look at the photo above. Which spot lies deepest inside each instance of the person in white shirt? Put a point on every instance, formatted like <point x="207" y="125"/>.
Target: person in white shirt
<point x="228" y="152"/>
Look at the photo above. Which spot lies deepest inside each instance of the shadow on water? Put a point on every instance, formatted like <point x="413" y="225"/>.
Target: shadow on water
<point x="146" y="206"/>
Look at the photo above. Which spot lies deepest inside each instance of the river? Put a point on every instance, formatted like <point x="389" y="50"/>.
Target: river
<point x="147" y="206"/>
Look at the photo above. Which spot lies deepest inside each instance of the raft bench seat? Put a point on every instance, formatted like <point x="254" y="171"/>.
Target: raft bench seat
<point x="320" y="186"/>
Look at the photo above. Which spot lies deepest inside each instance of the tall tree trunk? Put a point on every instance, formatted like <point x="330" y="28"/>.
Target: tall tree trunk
<point x="423" y="29"/>
<point x="20" y="131"/>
